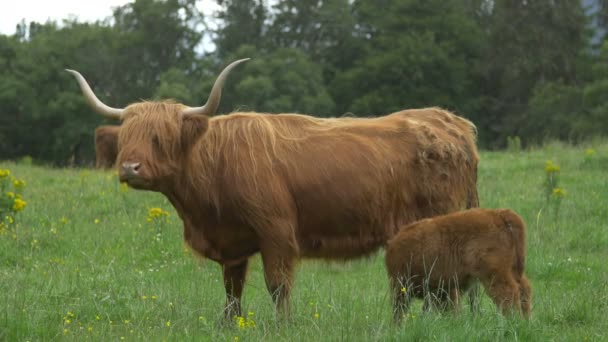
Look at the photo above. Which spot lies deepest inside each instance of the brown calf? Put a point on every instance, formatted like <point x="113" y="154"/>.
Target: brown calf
<point x="437" y="258"/>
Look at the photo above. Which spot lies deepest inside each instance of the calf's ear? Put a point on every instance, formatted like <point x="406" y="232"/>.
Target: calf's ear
<point x="193" y="127"/>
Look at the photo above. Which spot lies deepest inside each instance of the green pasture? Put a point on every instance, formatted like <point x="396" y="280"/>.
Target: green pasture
<point x="87" y="260"/>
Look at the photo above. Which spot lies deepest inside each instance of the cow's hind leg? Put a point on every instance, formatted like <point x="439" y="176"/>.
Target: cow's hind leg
<point x="234" y="281"/>
<point x="278" y="273"/>
<point x="278" y="257"/>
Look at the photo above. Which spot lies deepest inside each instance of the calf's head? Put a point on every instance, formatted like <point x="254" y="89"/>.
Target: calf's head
<point x="155" y="137"/>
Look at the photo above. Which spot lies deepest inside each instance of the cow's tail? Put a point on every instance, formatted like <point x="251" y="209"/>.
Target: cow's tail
<point x="514" y="224"/>
<point x="472" y="195"/>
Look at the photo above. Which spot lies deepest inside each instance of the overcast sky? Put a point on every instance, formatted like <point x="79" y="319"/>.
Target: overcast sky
<point x="12" y="11"/>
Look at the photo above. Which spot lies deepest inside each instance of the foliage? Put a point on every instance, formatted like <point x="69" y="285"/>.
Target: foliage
<point x="554" y="194"/>
<point x="284" y="80"/>
<point x="513" y="144"/>
<point x="514" y="63"/>
<point x="11" y="199"/>
<point x="412" y="58"/>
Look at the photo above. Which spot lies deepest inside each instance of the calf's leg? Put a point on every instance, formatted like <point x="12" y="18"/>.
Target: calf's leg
<point x="504" y="291"/>
<point x="401" y="298"/>
<point x="454" y="300"/>
<point x="525" y="296"/>
<point x="473" y="295"/>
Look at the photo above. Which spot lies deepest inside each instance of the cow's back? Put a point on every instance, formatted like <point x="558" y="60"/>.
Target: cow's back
<point x="349" y="183"/>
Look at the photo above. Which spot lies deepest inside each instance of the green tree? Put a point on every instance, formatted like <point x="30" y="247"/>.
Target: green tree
<point x="155" y="37"/>
<point x="530" y="43"/>
<point x="415" y="54"/>
<point x="54" y="123"/>
<point x="284" y="80"/>
<point x="242" y="22"/>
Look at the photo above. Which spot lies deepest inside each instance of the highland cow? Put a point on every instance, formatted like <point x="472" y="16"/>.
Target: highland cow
<point x="106" y="146"/>
<point x="439" y="258"/>
<point x="290" y="186"/>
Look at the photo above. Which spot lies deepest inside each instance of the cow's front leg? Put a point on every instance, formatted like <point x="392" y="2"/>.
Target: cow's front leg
<point x="234" y="281"/>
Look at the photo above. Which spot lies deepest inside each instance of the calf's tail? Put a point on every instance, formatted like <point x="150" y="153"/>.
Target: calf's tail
<point x="517" y="227"/>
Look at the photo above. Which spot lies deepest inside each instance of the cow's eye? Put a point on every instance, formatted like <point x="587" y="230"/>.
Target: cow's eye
<point x="156" y="142"/>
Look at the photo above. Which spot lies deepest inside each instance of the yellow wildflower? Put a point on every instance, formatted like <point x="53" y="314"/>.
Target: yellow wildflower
<point x="317" y="315"/>
<point x="89" y="329"/>
<point x="559" y="192"/>
<point x="550" y="167"/>
<point x="66" y="331"/>
<point x="4" y="173"/>
<point x="19" y="205"/>
<point x="168" y="323"/>
<point x="154" y="213"/>
<point x="590" y="152"/>
<point x="403" y="289"/>
<point x="245" y="322"/>
<point x="96" y="221"/>
<point x="144" y="297"/>
<point x="10" y="194"/>
<point x="19" y="184"/>
<point x="240" y="322"/>
<point x="64" y="220"/>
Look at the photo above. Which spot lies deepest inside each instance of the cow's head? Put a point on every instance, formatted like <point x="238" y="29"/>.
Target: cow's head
<point x="155" y="137"/>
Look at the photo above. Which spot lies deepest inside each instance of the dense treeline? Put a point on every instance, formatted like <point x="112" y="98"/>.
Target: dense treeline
<point x="535" y="69"/>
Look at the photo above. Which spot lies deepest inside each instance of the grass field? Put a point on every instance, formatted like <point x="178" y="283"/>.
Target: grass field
<point x="83" y="262"/>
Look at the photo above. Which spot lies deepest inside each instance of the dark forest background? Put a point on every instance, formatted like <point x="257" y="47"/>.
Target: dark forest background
<point x="536" y="69"/>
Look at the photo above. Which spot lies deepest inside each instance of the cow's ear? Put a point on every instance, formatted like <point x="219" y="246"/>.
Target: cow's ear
<point x="193" y="127"/>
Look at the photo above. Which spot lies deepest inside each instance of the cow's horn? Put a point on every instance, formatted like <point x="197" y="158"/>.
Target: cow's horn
<point x="94" y="102"/>
<point x="213" y="101"/>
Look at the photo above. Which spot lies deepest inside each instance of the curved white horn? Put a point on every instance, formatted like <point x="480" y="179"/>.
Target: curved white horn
<point x="94" y="102"/>
<point x="213" y="101"/>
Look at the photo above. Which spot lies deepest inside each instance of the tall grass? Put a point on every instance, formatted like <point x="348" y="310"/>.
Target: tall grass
<point x="101" y="269"/>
